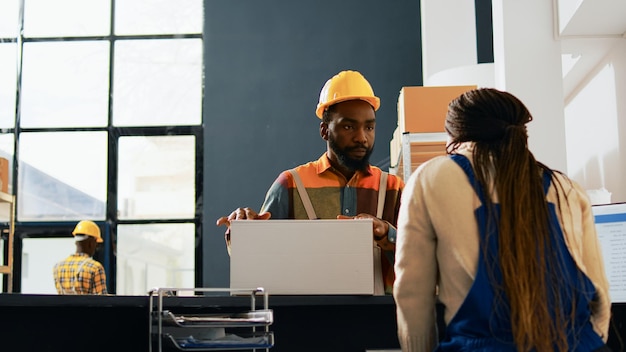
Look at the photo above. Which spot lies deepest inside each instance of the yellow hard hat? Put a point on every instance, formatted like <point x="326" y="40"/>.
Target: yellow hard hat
<point x="87" y="228"/>
<point x="346" y="85"/>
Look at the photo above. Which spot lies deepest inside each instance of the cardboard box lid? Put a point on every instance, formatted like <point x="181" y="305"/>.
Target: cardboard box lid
<point x="423" y="109"/>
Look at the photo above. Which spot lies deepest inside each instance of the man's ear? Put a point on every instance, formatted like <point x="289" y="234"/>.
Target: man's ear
<point x="324" y="130"/>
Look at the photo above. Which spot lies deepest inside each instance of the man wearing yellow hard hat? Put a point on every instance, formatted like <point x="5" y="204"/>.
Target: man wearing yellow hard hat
<point x="80" y="274"/>
<point x="341" y="183"/>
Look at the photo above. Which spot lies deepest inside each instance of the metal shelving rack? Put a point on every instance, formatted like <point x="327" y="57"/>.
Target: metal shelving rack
<point x="404" y="164"/>
<point x="250" y="329"/>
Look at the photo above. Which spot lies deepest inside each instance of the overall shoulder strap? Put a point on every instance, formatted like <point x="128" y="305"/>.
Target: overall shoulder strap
<point x="547" y="180"/>
<point x="465" y="164"/>
<point x="304" y="196"/>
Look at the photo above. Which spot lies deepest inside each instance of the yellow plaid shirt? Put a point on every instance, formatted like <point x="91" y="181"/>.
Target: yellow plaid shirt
<point x="81" y="275"/>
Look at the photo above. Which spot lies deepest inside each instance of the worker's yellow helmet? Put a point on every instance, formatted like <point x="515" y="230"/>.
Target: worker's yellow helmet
<point x="87" y="228"/>
<point x="346" y="85"/>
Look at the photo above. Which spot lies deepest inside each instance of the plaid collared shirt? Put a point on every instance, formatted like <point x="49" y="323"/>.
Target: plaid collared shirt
<point x="80" y="274"/>
<point x="331" y="194"/>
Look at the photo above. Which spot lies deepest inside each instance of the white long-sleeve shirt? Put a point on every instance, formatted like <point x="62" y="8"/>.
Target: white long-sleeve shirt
<point x="437" y="248"/>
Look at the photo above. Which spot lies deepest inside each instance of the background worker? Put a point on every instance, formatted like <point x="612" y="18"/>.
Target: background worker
<point x="79" y="273"/>
<point x="508" y="244"/>
<point x="341" y="183"/>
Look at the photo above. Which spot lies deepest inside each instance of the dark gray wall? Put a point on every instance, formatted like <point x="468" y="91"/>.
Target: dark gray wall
<point x="265" y="63"/>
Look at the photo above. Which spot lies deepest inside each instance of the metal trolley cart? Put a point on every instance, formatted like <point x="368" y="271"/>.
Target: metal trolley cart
<point x="247" y="330"/>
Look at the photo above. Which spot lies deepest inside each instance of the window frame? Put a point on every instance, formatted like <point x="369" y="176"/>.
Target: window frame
<point x="52" y="229"/>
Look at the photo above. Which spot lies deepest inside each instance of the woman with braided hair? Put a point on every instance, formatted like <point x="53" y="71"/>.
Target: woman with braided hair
<point x="505" y="243"/>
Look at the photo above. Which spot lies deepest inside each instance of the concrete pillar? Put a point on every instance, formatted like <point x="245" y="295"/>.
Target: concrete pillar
<point x="528" y="64"/>
<point x="448" y="35"/>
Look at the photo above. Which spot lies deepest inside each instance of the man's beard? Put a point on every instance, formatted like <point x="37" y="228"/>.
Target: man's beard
<point x="345" y="160"/>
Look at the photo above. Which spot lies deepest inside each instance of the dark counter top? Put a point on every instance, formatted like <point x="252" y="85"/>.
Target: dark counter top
<point x="349" y="322"/>
<point x="41" y="300"/>
<point x="342" y="323"/>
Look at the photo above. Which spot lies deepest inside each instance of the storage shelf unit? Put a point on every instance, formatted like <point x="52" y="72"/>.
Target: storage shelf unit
<point x="420" y="135"/>
<point x="7" y="266"/>
<point x="248" y="330"/>
<point x="415" y="149"/>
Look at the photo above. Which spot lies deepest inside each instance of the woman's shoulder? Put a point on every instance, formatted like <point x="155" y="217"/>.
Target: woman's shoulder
<point x="565" y="188"/>
<point x="566" y="184"/>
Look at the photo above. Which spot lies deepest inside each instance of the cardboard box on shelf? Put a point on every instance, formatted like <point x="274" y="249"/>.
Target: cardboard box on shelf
<point x="423" y="109"/>
<point x="4" y="175"/>
<point x="421" y="152"/>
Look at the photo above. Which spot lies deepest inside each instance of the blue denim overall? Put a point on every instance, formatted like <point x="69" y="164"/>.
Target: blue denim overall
<point x="482" y="323"/>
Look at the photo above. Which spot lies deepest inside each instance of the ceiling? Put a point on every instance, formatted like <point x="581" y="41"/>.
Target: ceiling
<point x="590" y="29"/>
<point x="595" y="18"/>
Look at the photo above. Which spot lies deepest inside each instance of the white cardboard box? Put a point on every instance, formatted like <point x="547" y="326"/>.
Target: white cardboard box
<point x="294" y="257"/>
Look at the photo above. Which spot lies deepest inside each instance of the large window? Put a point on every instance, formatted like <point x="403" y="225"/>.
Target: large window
<point x="101" y="119"/>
